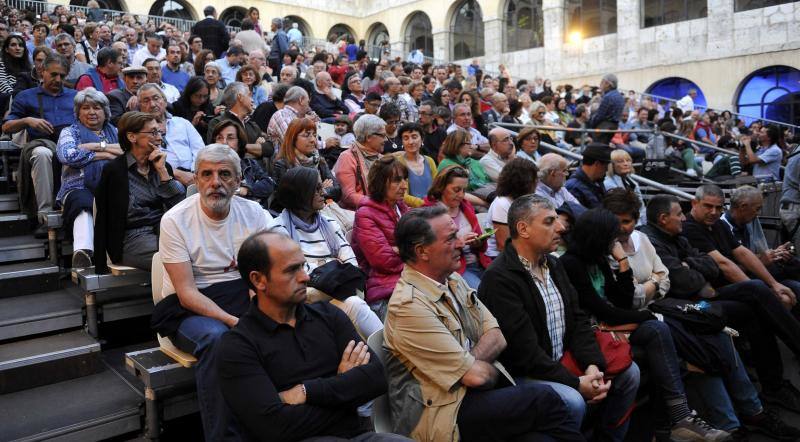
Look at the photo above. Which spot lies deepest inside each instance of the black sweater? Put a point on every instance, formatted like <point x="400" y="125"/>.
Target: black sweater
<point x="617" y="308"/>
<point x="508" y="291"/>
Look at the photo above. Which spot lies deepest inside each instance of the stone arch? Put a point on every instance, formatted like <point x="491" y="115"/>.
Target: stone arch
<point x="173" y="9"/>
<point x="676" y="88"/>
<point x="302" y="25"/>
<point x="114" y="5"/>
<point x="376" y="35"/>
<point x="466" y="30"/>
<point x="339" y="30"/>
<point x="418" y="32"/>
<point x="771" y="92"/>
<point x="233" y="16"/>
<point x="523" y="25"/>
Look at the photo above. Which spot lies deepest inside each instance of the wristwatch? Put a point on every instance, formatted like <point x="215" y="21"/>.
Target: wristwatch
<point x="102" y="146"/>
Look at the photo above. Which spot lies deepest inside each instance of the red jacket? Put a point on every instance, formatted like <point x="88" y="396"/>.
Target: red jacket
<point x="469" y="213"/>
<point x="373" y="239"/>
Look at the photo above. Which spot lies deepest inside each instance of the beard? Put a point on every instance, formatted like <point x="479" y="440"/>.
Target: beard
<point x="217" y="200"/>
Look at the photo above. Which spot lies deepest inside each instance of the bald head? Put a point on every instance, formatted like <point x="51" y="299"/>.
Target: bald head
<point x="288" y="74"/>
<point x="552" y="170"/>
<point x="501" y="142"/>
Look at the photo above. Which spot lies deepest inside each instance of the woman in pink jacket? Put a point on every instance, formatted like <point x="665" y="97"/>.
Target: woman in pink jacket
<point x="354" y="163"/>
<point x="373" y="230"/>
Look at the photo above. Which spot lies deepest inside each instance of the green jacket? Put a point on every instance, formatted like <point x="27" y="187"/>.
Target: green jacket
<point x="477" y="176"/>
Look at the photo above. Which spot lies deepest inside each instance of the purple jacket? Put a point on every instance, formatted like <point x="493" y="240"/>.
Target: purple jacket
<point x="373" y="239"/>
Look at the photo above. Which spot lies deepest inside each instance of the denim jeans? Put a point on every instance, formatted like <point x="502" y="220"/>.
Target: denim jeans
<point x="617" y="406"/>
<point x="473" y="274"/>
<point x="723" y="396"/>
<point x="525" y="412"/>
<point x="199" y="335"/>
<point x="662" y="358"/>
<point x="753" y="309"/>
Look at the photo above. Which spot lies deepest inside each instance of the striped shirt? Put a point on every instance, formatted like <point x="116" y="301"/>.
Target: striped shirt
<point x="553" y="305"/>
<point x="313" y="244"/>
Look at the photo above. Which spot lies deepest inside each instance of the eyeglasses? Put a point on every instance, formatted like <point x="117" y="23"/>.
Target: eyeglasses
<point x="155" y="133"/>
<point x="380" y="134"/>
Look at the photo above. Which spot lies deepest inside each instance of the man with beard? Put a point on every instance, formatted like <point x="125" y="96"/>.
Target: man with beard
<point x="199" y="242"/>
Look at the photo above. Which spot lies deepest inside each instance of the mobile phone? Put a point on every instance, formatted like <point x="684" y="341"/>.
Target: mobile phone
<point x="486" y="233"/>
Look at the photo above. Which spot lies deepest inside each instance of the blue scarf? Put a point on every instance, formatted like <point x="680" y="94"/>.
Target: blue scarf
<point x="293" y="223"/>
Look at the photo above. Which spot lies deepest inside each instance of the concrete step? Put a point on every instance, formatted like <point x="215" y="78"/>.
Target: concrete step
<point x="9" y="202"/>
<point x="95" y="407"/>
<point x="46" y="360"/>
<point x="26" y="278"/>
<point x="21" y="248"/>
<point x="41" y="313"/>
<point x="14" y="224"/>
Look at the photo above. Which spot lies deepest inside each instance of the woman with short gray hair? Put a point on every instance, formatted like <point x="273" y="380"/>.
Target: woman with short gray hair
<point x="84" y="148"/>
<point x="354" y="163"/>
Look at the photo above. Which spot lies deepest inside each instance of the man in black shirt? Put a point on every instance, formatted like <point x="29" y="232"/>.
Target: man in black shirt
<point x="434" y="135"/>
<point x="291" y="371"/>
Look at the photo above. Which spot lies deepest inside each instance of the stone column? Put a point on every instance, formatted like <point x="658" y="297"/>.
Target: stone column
<point x="554" y="22"/>
<point x="629" y="23"/>
<point x="441" y="45"/>
<point x="720" y="27"/>
<point x="492" y="44"/>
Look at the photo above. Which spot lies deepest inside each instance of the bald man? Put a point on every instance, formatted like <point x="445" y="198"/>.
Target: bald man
<point x="501" y="144"/>
<point x="394" y="90"/>
<point x="553" y="171"/>
<point x="324" y="102"/>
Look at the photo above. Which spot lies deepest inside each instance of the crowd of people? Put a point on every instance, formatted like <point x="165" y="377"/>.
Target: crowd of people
<point x="302" y="201"/>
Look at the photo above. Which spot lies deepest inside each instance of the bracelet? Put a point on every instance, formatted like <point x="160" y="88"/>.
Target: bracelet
<point x="623" y="259"/>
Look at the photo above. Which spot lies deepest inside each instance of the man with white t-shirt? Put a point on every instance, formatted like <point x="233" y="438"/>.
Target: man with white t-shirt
<point x="199" y="242"/>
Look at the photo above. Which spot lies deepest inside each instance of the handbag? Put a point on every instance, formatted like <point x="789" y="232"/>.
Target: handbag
<point x="344" y="217"/>
<point x="616" y="351"/>
<point x="700" y="317"/>
<point x="337" y="279"/>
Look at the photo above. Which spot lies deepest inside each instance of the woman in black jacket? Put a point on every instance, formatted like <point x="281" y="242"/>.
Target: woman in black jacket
<point x="194" y="104"/>
<point x="607" y="294"/>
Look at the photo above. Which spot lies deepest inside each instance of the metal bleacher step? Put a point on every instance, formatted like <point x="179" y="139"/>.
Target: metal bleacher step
<point x="21" y="248"/>
<point x="46" y="360"/>
<point x="94" y="407"/>
<point x="40" y="313"/>
<point x="14" y="224"/>
<point x="25" y="278"/>
<point x="9" y="202"/>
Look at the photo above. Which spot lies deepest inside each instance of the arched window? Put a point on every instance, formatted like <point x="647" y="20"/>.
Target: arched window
<point x="466" y="31"/>
<point x="377" y="36"/>
<point x="233" y="16"/>
<point x="172" y="9"/>
<point x="340" y="30"/>
<point x="302" y="25"/>
<point x="524" y="27"/>
<point x="113" y="5"/>
<point x="772" y="92"/>
<point x="591" y="18"/>
<point x="746" y="5"/>
<point x="662" y="12"/>
<point x="676" y="88"/>
<point x="419" y="34"/>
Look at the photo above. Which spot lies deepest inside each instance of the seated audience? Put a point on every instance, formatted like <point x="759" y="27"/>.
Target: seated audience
<point x="64" y="44"/>
<point x="528" y="144"/>
<point x="354" y="164"/>
<point x="27" y="80"/>
<point x="318" y="396"/>
<point x="619" y="176"/>
<point x="266" y="110"/>
<point x="43" y="112"/>
<point x="421" y="168"/>
<point x="239" y="105"/>
<point x="106" y="76"/>
<point x="171" y="72"/>
<point x="517" y="178"/>
<point x="434" y="135"/>
<point x="462" y="119"/>
<point x="742" y="218"/>
<point x="321" y="239"/>
<point x="295" y="105"/>
<point x="300" y="149"/>
<point x="530" y="294"/>
<point x="213" y="76"/>
<point x="391" y="115"/>
<point x="790" y="199"/>
<point x="181" y="140"/>
<point x="766" y="161"/>
<point x="83" y="149"/>
<point x="608" y="295"/>
<point x="456" y="151"/>
<point x="502" y="151"/>
<point x="251" y="78"/>
<point x="354" y="99"/>
<point x="342" y="133"/>
<point x="449" y="190"/>
<point x="553" y="172"/>
<point x="373" y="230"/>
<point x="256" y="184"/>
<point x="203" y="294"/>
<point x="324" y="102"/>
<point x="443" y="345"/>
<point x="749" y="305"/>
<point x="124" y="99"/>
<point x="134" y="192"/>
<point x="586" y="184"/>
<point x="170" y="92"/>
<point x="194" y="105"/>
<point x="15" y="59"/>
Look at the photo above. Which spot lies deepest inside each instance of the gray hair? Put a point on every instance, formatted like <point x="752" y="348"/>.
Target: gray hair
<point x="550" y="162"/>
<point x="219" y="153"/>
<point x="65" y="36"/>
<point x="278" y="22"/>
<point x="711" y="190"/>
<point x="147" y="87"/>
<point x="385" y="75"/>
<point x="294" y="95"/>
<point x="289" y="68"/>
<point x="611" y="79"/>
<point x="366" y="125"/>
<point x="524" y="209"/>
<point x="460" y="105"/>
<point x="213" y="64"/>
<point x="93" y="96"/>
<point x="55" y="57"/>
<point x="231" y="93"/>
<point x="744" y="194"/>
